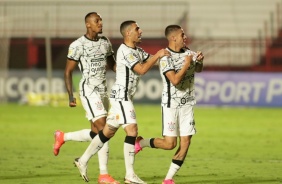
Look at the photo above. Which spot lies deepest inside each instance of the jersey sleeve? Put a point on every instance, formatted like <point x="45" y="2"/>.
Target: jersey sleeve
<point x="75" y="51"/>
<point x="130" y="58"/>
<point x="165" y="64"/>
<point x="145" y="55"/>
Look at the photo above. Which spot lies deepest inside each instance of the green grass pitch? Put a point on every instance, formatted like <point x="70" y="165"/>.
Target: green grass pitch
<point x="232" y="145"/>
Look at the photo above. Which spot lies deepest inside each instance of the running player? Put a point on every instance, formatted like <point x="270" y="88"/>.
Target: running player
<point x="178" y="98"/>
<point x="93" y="54"/>
<point x="132" y="61"/>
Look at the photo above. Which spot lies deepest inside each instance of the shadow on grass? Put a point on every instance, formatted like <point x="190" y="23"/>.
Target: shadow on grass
<point x="32" y="176"/>
<point x="243" y="180"/>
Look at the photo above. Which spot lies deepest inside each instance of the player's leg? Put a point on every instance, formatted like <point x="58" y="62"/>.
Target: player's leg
<point x="178" y="158"/>
<point x="93" y="113"/>
<point x="127" y="118"/>
<point x="186" y="131"/>
<point x="96" y="144"/>
<point x="170" y="133"/>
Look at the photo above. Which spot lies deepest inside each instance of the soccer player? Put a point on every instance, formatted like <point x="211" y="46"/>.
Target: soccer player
<point x="178" y="98"/>
<point x="93" y="54"/>
<point x="131" y="62"/>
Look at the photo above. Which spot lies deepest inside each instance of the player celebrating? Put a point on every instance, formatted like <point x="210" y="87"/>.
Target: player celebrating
<point x="93" y="54"/>
<point x="132" y="61"/>
<point x="178" y="99"/>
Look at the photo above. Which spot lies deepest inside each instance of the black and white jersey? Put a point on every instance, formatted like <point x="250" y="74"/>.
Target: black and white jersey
<point x="92" y="57"/>
<point x="183" y="93"/>
<point x="127" y="80"/>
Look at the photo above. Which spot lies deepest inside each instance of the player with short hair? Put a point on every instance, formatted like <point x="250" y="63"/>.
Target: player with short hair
<point x="94" y="55"/>
<point x="178" y="98"/>
<point x="131" y="63"/>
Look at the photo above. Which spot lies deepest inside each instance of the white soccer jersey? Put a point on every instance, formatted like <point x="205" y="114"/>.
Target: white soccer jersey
<point x="183" y="93"/>
<point x="92" y="57"/>
<point x="127" y="80"/>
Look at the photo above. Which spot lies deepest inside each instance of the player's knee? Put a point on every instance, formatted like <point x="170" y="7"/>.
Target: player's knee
<point x="131" y="130"/>
<point x="186" y="142"/>
<point x="170" y="145"/>
<point x="99" y="123"/>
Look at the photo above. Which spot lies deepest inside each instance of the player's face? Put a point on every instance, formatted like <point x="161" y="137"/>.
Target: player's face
<point x="135" y="33"/>
<point x="180" y="38"/>
<point x="95" y="23"/>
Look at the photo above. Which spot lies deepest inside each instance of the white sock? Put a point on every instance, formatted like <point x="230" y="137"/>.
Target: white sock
<point x="172" y="171"/>
<point x="103" y="156"/>
<point x="81" y="135"/>
<point x="129" y="157"/>
<point x="95" y="145"/>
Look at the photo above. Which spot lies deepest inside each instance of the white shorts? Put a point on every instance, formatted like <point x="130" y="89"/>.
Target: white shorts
<point x="96" y="106"/>
<point x="178" y="121"/>
<point x="122" y="112"/>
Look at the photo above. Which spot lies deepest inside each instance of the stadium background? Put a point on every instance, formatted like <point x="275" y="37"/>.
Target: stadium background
<point x="241" y="41"/>
<point x="233" y="145"/>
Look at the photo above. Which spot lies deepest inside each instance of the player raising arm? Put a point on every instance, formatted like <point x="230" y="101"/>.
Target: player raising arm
<point x="131" y="62"/>
<point x="178" y="98"/>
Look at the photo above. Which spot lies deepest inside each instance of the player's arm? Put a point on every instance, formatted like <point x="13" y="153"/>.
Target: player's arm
<point x="111" y="63"/>
<point x="70" y="66"/>
<point x="199" y="63"/>
<point x="143" y="68"/>
<point x="174" y="77"/>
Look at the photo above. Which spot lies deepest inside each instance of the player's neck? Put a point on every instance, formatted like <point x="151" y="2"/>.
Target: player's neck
<point x="92" y="36"/>
<point x="173" y="47"/>
<point x="129" y="44"/>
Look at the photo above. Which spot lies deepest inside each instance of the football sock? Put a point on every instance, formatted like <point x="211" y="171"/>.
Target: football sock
<point x="129" y="154"/>
<point x="146" y="143"/>
<point x="81" y="135"/>
<point x="92" y="134"/>
<point x="103" y="155"/>
<point x="174" y="167"/>
<point x="95" y="145"/>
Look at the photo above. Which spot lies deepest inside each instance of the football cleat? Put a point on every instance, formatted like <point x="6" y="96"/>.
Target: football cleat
<point x="106" y="179"/>
<point x="134" y="179"/>
<point x="82" y="169"/>
<point x="137" y="144"/>
<point x="169" y="181"/>
<point x="59" y="141"/>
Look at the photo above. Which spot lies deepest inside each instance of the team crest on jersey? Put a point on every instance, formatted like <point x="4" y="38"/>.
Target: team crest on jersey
<point x="171" y="126"/>
<point x="132" y="114"/>
<point x="70" y="52"/>
<point x="99" y="105"/>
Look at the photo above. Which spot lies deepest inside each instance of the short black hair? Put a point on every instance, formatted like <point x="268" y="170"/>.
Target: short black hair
<point x="125" y="24"/>
<point x="171" y="28"/>
<point x="88" y="15"/>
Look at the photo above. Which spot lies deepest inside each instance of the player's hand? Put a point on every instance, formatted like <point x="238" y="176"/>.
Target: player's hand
<point x="163" y="52"/>
<point x="72" y="101"/>
<point x="200" y="56"/>
<point x="188" y="59"/>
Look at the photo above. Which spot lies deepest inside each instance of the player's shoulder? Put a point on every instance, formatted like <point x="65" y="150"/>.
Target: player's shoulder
<point x="104" y="38"/>
<point x="141" y="50"/>
<point x="79" y="41"/>
<point x="188" y="51"/>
